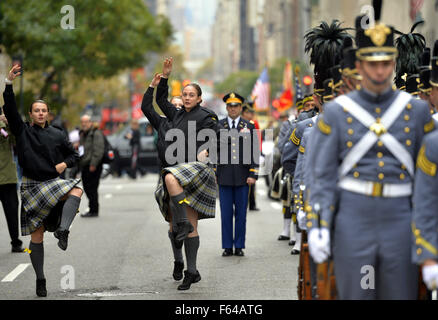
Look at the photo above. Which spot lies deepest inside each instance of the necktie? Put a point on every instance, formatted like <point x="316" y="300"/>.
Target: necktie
<point x="234" y="125"/>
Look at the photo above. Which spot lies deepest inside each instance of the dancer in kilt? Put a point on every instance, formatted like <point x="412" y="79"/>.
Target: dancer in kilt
<point x="187" y="191"/>
<point x="49" y="203"/>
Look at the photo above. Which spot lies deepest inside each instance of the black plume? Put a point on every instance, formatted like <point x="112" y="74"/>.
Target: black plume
<point x="325" y="44"/>
<point x="410" y="49"/>
<point x="435" y="49"/>
<point x="425" y="57"/>
<point x="377" y="5"/>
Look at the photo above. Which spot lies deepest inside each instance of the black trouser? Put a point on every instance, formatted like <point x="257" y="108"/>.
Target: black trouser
<point x="9" y="199"/>
<point x="90" y="181"/>
<point x="251" y="202"/>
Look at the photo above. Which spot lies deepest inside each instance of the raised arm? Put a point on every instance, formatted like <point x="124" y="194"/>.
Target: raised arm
<point x="16" y="124"/>
<point x="163" y="90"/>
<point x="147" y="106"/>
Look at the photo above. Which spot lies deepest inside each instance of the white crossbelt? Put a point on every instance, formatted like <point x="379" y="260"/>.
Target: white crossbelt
<point x="376" y="189"/>
<point x="370" y="138"/>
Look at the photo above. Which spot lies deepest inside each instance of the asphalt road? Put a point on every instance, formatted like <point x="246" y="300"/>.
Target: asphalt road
<point x="125" y="253"/>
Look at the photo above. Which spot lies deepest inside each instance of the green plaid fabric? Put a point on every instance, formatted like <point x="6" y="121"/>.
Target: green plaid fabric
<point x="199" y="183"/>
<point x="39" y="198"/>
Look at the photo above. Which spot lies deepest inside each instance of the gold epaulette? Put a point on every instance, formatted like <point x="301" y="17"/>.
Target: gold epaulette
<point x="420" y="241"/>
<point x="324" y="127"/>
<point x="427" y="166"/>
<point x="294" y="138"/>
<point x="428" y="127"/>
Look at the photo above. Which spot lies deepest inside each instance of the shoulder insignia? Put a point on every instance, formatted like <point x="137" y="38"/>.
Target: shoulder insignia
<point x="428" y="127"/>
<point x="213" y="118"/>
<point x="302" y="149"/>
<point x="324" y="127"/>
<point x="427" y="166"/>
<point x="294" y="138"/>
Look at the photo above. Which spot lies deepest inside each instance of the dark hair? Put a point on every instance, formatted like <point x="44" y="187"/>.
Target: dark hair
<point x="39" y="101"/>
<point x="196" y="86"/>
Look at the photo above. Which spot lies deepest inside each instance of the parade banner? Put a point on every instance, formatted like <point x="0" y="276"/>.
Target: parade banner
<point x="260" y="93"/>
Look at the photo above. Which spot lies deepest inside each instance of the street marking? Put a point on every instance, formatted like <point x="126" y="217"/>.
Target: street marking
<point x="16" y="272"/>
<point x="114" y="294"/>
<point x="276" y="206"/>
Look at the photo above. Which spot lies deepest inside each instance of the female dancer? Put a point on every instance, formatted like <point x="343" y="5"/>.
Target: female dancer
<point x="48" y="202"/>
<point x="187" y="188"/>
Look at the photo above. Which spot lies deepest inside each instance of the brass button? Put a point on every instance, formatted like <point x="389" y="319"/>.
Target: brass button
<point x="379" y="155"/>
<point x="309" y="216"/>
<point x="350" y="132"/>
<point x="409" y="106"/>
<point x="407" y="130"/>
<point x="378" y="110"/>
<point x="408" y="143"/>
<point x="378" y="120"/>
<point x="402" y="176"/>
<point x="419" y="251"/>
<point x="403" y="167"/>
<point x="380" y="143"/>
<point x="417" y="242"/>
<point x="234" y="151"/>
<point x="407" y="118"/>
<point x="234" y="144"/>
<point x="234" y="158"/>
<point x="350" y="120"/>
<point x="310" y="125"/>
<point x="349" y="144"/>
<point x="417" y="232"/>
<point x="381" y="164"/>
<point x="381" y="176"/>
<point x="345" y="110"/>
<point x="356" y="174"/>
<point x="309" y="224"/>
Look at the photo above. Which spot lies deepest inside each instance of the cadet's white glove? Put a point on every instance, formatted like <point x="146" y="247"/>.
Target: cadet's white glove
<point x="301" y="218"/>
<point x="319" y="244"/>
<point x="430" y="276"/>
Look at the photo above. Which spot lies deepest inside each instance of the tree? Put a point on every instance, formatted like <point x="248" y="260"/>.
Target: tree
<point x="240" y="82"/>
<point x="109" y="36"/>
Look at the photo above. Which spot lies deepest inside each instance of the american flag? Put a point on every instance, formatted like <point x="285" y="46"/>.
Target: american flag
<point x="415" y="8"/>
<point x="260" y="93"/>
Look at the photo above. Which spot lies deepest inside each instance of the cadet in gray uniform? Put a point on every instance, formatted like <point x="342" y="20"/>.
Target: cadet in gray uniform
<point x="365" y="150"/>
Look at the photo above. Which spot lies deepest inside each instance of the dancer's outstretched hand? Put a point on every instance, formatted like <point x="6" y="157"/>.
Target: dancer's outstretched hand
<point x="167" y="67"/>
<point x="15" y="72"/>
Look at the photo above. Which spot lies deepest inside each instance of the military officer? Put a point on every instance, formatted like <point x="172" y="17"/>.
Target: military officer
<point x="425" y="213"/>
<point x="248" y="114"/>
<point x="239" y="170"/>
<point x="365" y="149"/>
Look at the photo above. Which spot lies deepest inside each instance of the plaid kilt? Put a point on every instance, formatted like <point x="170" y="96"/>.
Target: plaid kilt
<point x="39" y="198"/>
<point x="199" y="183"/>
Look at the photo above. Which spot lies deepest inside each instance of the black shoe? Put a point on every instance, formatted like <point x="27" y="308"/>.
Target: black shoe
<point x="62" y="236"/>
<point x="254" y="209"/>
<point x="227" y="253"/>
<point x="294" y="252"/>
<point x="178" y="270"/>
<point x="282" y="238"/>
<point x="292" y="242"/>
<point x="41" y="288"/>
<point x="182" y="230"/>
<point x="89" y="215"/>
<point x="239" y="252"/>
<point x="189" y="278"/>
<point x="17" y="246"/>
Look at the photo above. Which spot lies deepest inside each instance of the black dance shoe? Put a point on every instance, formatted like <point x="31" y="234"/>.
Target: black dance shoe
<point x="282" y="238"/>
<point x="239" y="252"/>
<point x="62" y="236"/>
<point x="41" y="288"/>
<point x="189" y="278"/>
<point x="227" y="253"/>
<point x="178" y="270"/>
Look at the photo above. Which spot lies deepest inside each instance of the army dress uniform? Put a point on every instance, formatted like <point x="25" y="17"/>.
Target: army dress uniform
<point x="232" y="176"/>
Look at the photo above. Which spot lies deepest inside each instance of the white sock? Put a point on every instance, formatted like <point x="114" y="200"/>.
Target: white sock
<point x="286" y="227"/>
<point x="297" y="245"/>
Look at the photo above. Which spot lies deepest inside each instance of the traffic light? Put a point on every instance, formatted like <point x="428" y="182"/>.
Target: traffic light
<point x="307" y="80"/>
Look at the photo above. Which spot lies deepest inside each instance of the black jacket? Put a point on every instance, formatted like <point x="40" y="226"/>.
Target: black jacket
<point x="243" y="150"/>
<point x="161" y="124"/>
<point x="203" y="118"/>
<point x="39" y="149"/>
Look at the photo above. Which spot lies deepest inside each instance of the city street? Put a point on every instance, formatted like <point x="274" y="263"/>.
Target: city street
<point x="125" y="253"/>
